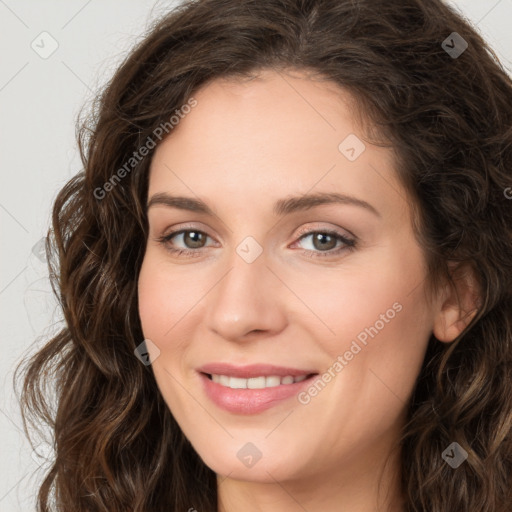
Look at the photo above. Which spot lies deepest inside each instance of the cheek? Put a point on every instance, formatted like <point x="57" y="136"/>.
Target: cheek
<point x="159" y="311"/>
<point x="383" y="295"/>
<point x="380" y="324"/>
<point x="164" y="298"/>
<point x="371" y="369"/>
<point x="151" y="304"/>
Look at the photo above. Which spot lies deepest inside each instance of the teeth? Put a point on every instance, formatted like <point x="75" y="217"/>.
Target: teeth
<point x="255" y="382"/>
<point x="237" y="383"/>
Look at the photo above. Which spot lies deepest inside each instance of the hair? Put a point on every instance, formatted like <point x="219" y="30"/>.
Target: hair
<point x="449" y="123"/>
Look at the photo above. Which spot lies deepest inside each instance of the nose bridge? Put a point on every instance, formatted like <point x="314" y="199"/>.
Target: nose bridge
<point x="246" y="298"/>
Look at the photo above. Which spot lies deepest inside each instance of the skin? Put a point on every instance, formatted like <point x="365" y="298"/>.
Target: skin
<point x="244" y="146"/>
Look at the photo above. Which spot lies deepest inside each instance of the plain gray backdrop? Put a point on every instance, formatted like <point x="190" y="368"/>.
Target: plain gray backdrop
<point x="56" y="55"/>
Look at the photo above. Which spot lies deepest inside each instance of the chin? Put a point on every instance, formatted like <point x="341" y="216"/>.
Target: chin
<point x="240" y="461"/>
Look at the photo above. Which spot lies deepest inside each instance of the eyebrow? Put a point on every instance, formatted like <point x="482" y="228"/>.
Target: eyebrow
<point x="281" y="207"/>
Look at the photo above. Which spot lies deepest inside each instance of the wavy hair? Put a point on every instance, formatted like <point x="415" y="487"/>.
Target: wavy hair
<point x="449" y="122"/>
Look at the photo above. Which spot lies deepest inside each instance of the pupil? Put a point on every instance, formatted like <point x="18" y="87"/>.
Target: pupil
<point x="192" y="235"/>
<point x="320" y="237"/>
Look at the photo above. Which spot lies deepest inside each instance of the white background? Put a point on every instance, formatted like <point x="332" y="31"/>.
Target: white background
<point x="39" y="102"/>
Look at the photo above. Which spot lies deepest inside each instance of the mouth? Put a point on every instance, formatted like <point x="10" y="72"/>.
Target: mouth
<point x="254" y="388"/>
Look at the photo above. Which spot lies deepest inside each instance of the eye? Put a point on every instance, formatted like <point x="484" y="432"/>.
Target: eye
<point x="193" y="239"/>
<point x="323" y="243"/>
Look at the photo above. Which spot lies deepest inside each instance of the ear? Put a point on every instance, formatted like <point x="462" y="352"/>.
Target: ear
<point x="459" y="302"/>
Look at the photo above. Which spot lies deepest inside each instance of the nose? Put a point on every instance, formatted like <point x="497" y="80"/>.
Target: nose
<point x="249" y="300"/>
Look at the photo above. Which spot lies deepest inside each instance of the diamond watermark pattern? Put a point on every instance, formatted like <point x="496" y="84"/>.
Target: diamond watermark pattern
<point x="147" y="352"/>
<point x="249" y="455"/>
<point x="454" y="45"/>
<point x="249" y="249"/>
<point x="45" y="45"/>
<point x="351" y="147"/>
<point x="39" y="250"/>
<point x="454" y="455"/>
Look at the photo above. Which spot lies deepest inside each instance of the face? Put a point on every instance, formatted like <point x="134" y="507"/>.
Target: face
<point x="290" y="333"/>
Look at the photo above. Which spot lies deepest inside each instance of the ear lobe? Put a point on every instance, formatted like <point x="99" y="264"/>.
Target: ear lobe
<point x="459" y="303"/>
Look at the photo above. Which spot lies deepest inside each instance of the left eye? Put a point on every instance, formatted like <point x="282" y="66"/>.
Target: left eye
<point x="325" y="240"/>
<point x="195" y="238"/>
<point x="322" y="243"/>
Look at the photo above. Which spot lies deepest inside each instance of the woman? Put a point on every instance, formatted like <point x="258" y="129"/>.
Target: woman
<point x="216" y="356"/>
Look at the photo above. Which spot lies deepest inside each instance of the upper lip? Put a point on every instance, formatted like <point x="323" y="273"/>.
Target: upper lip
<point x="252" y="370"/>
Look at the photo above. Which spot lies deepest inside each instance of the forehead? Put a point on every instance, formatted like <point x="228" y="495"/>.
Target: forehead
<point x="275" y="134"/>
<point x="272" y="106"/>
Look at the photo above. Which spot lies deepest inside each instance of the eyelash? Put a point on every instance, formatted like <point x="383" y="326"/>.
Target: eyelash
<point x="350" y="244"/>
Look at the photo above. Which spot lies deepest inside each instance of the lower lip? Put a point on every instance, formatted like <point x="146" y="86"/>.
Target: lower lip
<point x="251" y="401"/>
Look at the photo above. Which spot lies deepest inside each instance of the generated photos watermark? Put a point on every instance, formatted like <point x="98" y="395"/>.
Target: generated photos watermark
<point x="147" y="352"/>
<point x="249" y="455"/>
<point x="304" y="397"/>
<point x="454" y="455"/>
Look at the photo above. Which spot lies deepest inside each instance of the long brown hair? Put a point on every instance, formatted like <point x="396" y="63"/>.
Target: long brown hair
<point x="448" y="117"/>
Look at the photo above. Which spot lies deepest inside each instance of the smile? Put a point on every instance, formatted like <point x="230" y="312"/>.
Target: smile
<point x="252" y="389"/>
